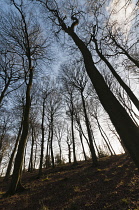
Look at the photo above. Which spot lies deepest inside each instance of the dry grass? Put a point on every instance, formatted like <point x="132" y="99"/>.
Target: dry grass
<point x="113" y="185"/>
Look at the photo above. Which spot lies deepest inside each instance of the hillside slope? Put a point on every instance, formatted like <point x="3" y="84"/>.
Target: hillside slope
<point x="113" y="185"/>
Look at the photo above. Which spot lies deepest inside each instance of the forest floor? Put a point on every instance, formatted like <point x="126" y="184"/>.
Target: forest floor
<point x="113" y="185"/>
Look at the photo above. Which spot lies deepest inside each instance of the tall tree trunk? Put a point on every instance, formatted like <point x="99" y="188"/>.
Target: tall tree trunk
<point x="136" y="62"/>
<point x="94" y="141"/>
<point x="24" y="159"/>
<point x="42" y="142"/>
<point x="80" y="134"/>
<point x="111" y="150"/>
<point x="80" y="128"/>
<point x="13" y="154"/>
<point x="16" y="177"/>
<point x="35" y="158"/>
<point x="69" y="149"/>
<point x="72" y="134"/>
<point x="60" y="153"/>
<point x="20" y="153"/>
<point x="117" y="136"/>
<point x="47" y="156"/>
<point x="92" y="149"/>
<point x="51" y="142"/>
<point x="121" y="82"/>
<point x="30" y="168"/>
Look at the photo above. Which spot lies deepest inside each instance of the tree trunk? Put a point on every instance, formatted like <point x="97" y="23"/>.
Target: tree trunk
<point x="80" y="127"/>
<point x="107" y="143"/>
<point x="69" y="150"/>
<point x="51" y="143"/>
<point x="35" y="158"/>
<point x="4" y="90"/>
<point x="80" y="134"/>
<point x="72" y="134"/>
<point x="30" y="168"/>
<point x="92" y="150"/>
<point x="121" y="82"/>
<point x="94" y="141"/>
<point x="47" y="156"/>
<point x="136" y="62"/>
<point x="13" y="154"/>
<point x="20" y="153"/>
<point x="42" y="143"/>
<point x="60" y="153"/>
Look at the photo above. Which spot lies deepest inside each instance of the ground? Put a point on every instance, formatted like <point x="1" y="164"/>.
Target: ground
<point x="113" y="185"/>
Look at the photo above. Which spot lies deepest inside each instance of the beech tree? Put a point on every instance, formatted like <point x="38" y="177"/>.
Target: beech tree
<point x="69" y="95"/>
<point x="45" y="91"/>
<point x="59" y="132"/>
<point x="76" y="77"/>
<point x="26" y="38"/>
<point x="53" y="106"/>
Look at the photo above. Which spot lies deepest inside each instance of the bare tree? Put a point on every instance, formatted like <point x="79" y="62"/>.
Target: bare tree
<point x="59" y="132"/>
<point x="53" y="107"/>
<point x="29" y="48"/>
<point x="121" y="82"/>
<point x="69" y="95"/>
<point x="9" y="75"/>
<point x="76" y="77"/>
<point x="45" y="95"/>
<point x="124" y="125"/>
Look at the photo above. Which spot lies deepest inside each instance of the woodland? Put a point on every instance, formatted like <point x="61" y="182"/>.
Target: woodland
<point x="69" y="105"/>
